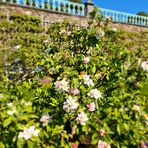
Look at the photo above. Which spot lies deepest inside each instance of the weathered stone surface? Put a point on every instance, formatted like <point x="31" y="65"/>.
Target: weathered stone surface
<point x="129" y="28"/>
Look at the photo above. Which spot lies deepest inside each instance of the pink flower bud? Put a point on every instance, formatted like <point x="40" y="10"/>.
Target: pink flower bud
<point x="86" y="60"/>
<point x="102" y="133"/>
<point x="45" y="80"/>
<point x="75" y="91"/>
<point x="74" y="145"/>
<point x="143" y="145"/>
<point x="91" y="106"/>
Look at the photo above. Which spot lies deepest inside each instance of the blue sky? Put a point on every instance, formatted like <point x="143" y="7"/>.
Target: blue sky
<point x="130" y="6"/>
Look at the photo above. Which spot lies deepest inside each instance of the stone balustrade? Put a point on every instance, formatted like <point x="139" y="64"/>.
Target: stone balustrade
<point x="63" y="6"/>
<point x="122" y="17"/>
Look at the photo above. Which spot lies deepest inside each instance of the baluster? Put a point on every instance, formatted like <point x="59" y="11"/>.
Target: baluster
<point x="139" y="21"/>
<point x="120" y="17"/>
<point x="123" y="18"/>
<point x="104" y="14"/>
<point x="43" y="4"/>
<point x="53" y="5"/>
<point x="74" y="9"/>
<point x="24" y="2"/>
<point x="143" y="21"/>
<point x="113" y="17"/>
<point x="117" y="17"/>
<point x="136" y="20"/>
<point x="58" y="5"/>
<point x="31" y="3"/>
<point x="78" y="10"/>
<point x="146" y="22"/>
<point x="36" y="3"/>
<point x="131" y="19"/>
<point x="83" y="10"/>
<point x="19" y="2"/>
<point x="69" y="8"/>
<point x="64" y="6"/>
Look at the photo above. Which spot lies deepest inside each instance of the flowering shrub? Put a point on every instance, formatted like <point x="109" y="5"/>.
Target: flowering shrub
<point x="74" y="88"/>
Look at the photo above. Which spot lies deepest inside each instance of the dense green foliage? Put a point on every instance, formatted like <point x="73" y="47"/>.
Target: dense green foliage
<point x="76" y="1"/>
<point x="63" y="88"/>
<point x="142" y="13"/>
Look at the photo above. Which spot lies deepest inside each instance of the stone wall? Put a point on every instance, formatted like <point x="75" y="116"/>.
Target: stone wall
<point x="50" y="17"/>
<point x="43" y="14"/>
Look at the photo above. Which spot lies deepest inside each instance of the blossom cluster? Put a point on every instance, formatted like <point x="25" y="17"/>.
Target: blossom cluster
<point x="87" y="80"/>
<point x="94" y="93"/>
<point x="70" y="104"/>
<point x="102" y="144"/>
<point x="62" y="85"/>
<point x="46" y="118"/>
<point x="28" y="133"/>
<point x="82" y="118"/>
<point x="144" y="65"/>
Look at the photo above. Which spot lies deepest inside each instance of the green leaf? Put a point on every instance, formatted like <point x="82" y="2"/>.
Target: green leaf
<point x="31" y="144"/>
<point x="8" y="121"/>
<point x="20" y="143"/>
<point x="119" y="129"/>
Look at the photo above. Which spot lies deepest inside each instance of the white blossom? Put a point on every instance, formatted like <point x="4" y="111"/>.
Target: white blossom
<point x="101" y="32"/>
<point x="74" y="130"/>
<point x="137" y="108"/>
<point x="144" y="65"/>
<point x="12" y="111"/>
<point x="74" y="91"/>
<point x="54" y="70"/>
<point x="10" y="104"/>
<point x="46" y="118"/>
<point x="1" y="96"/>
<point x="27" y="103"/>
<point x="28" y="133"/>
<point x="70" y="104"/>
<point x="61" y="85"/>
<point x="86" y="60"/>
<point x="94" y="93"/>
<point x="102" y="144"/>
<point x="17" y="47"/>
<point x="87" y="80"/>
<point x="82" y="118"/>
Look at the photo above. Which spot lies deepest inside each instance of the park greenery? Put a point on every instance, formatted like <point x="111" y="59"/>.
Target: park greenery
<point x="142" y="13"/>
<point x="72" y="87"/>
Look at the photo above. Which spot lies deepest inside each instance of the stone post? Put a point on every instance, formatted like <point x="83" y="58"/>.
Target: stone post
<point x="89" y="6"/>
